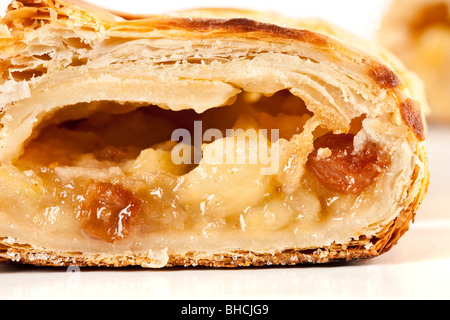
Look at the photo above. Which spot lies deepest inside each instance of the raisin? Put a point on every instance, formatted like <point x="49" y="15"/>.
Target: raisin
<point x="340" y="168"/>
<point x="107" y="211"/>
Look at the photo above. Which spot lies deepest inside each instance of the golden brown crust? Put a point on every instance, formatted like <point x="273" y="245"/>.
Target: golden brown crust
<point x="247" y="26"/>
<point x="229" y="260"/>
<point x="418" y="32"/>
<point x="384" y="76"/>
<point x="413" y="117"/>
<point x="23" y="13"/>
<point x="198" y="25"/>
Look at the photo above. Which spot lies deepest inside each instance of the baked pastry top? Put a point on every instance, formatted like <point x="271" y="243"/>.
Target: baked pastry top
<point x="327" y="138"/>
<point x="418" y="32"/>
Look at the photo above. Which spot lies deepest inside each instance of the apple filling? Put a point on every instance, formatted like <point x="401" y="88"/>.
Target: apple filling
<point x="262" y="169"/>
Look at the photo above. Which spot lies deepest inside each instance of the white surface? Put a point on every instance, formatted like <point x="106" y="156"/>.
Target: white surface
<point x="417" y="268"/>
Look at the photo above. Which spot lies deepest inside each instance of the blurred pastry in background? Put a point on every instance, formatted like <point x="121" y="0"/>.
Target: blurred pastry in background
<point x="418" y="31"/>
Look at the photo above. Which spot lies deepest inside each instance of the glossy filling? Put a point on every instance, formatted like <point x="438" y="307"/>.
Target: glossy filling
<point x="110" y="181"/>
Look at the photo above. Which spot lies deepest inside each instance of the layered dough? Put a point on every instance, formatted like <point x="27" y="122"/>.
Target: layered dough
<point x="419" y="33"/>
<point x="91" y="173"/>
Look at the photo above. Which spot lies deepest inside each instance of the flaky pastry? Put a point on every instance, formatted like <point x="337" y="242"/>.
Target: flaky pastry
<point x="94" y="104"/>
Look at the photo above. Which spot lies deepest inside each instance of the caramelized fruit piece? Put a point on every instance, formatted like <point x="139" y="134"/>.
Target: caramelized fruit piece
<point x="107" y="211"/>
<point x="338" y="167"/>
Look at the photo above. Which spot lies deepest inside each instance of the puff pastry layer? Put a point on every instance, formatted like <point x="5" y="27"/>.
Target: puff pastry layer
<point x="418" y="32"/>
<point x="90" y="100"/>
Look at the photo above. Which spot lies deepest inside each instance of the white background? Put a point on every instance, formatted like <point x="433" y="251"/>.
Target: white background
<point x="417" y="268"/>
